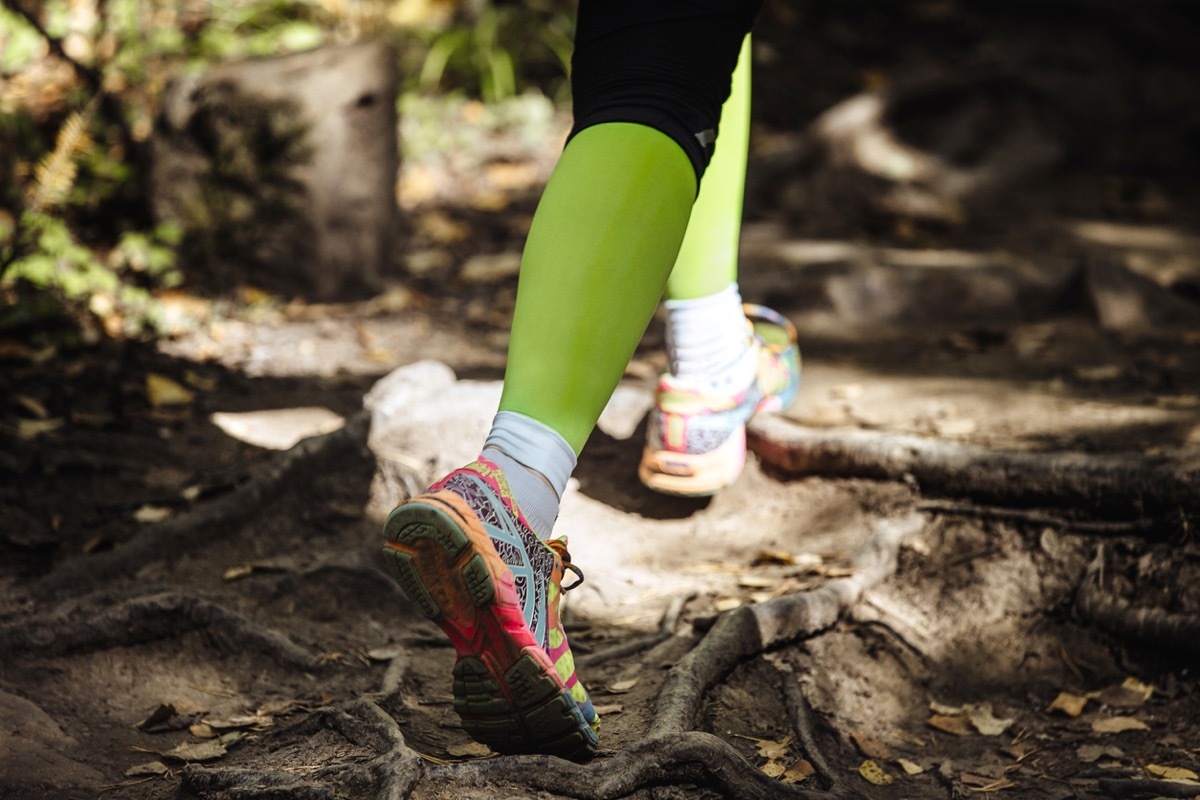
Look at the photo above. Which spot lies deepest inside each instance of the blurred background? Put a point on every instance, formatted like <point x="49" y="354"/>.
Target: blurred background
<point x="923" y="122"/>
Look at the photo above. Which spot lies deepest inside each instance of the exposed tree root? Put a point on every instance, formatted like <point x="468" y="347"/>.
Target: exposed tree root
<point x="1116" y="787"/>
<point x="390" y="775"/>
<point x="1126" y="484"/>
<point x="672" y="754"/>
<point x="801" y="717"/>
<point x="749" y="630"/>
<point x="1041" y="518"/>
<point x="207" y="522"/>
<point x="1155" y="626"/>
<point x="666" y="629"/>
<point x="683" y="758"/>
<point x="145" y="619"/>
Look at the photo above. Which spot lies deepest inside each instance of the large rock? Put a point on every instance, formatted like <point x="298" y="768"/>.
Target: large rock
<point x="425" y="423"/>
<point x="282" y="171"/>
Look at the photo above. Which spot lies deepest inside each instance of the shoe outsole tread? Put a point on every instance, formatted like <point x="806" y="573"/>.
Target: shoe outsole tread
<point x="505" y="688"/>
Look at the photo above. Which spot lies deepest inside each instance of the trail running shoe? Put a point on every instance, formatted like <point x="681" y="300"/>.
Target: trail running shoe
<point x="466" y="557"/>
<point x="696" y="438"/>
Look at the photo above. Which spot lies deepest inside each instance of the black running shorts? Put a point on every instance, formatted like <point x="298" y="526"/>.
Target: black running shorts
<point x="661" y="63"/>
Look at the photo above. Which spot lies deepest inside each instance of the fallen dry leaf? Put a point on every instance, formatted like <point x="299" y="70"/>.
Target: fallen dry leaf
<point x="609" y="708"/>
<point x="202" y="730"/>
<point x="1070" y="704"/>
<point x="1090" y="753"/>
<point x="209" y="750"/>
<point x="197" y="381"/>
<point x="33" y="406"/>
<point x="957" y="725"/>
<point x="728" y="603"/>
<point x="943" y="709"/>
<point x="773" y="769"/>
<point x="162" y="391"/>
<point x="910" y="767"/>
<point x="985" y="722"/>
<point x="874" y="773"/>
<point x="1171" y="773"/>
<point x="620" y="687"/>
<point x="870" y="746"/>
<point x="385" y="653"/>
<point x="799" y="770"/>
<point x="1104" y="372"/>
<point x="256" y="722"/>
<point x="756" y="582"/>
<point x="768" y="748"/>
<point x="151" y="514"/>
<point x="147" y="769"/>
<point x="1118" y="725"/>
<point x="772" y="749"/>
<point x="33" y="428"/>
<point x="238" y="572"/>
<point x="1129" y="694"/>
<point x="773" y="557"/>
<point x="1018" y="751"/>
<point x="470" y="749"/>
<point x="161" y="714"/>
<point x="971" y="779"/>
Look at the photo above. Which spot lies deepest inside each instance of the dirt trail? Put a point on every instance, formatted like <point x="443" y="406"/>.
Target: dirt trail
<point x="190" y="609"/>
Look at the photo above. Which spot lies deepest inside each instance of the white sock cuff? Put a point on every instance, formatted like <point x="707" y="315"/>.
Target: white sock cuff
<point x="727" y="296"/>
<point x="534" y="445"/>
<point x="707" y="337"/>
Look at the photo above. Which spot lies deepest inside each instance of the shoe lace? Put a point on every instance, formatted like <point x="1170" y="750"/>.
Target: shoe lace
<point x="560" y="549"/>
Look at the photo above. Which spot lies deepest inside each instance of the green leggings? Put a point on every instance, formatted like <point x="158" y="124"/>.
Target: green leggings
<point x="607" y="238"/>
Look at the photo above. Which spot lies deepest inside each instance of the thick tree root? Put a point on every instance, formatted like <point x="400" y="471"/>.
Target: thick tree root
<point x="145" y="619"/>
<point x="390" y="775"/>
<point x="672" y="754"/>
<point x="666" y="629"/>
<point x="749" y="630"/>
<point x="1116" y="787"/>
<point x="1129" y="484"/>
<point x="207" y="522"/>
<point x="684" y="758"/>
<point x="801" y="717"/>
<point x="1174" y="631"/>
<point x="1042" y="519"/>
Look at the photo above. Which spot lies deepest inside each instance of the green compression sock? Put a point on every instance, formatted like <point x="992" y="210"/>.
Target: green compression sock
<point x="707" y="261"/>
<point x="603" y="240"/>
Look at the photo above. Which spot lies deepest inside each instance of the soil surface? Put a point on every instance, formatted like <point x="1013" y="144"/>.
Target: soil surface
<point x="193" y="605"/>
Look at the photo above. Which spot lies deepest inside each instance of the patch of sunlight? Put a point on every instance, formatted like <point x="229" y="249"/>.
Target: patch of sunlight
<point x="277" y="428"/>
<point x="1116" y="234"/>
<point x="942" y="259"/>
<point x="805" y="253"/>
<point x="814" y="252"/>
<point x="1001" y="413"/>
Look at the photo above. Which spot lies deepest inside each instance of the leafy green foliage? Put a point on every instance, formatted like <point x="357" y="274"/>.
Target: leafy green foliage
<point x="83" y="81"/>
<point x="496" y="54"/>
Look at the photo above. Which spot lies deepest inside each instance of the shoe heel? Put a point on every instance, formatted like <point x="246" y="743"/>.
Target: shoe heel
<point x="424" y="546"/>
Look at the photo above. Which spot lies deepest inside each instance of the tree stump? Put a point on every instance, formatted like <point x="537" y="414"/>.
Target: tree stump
<point x="281" y="171"/>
